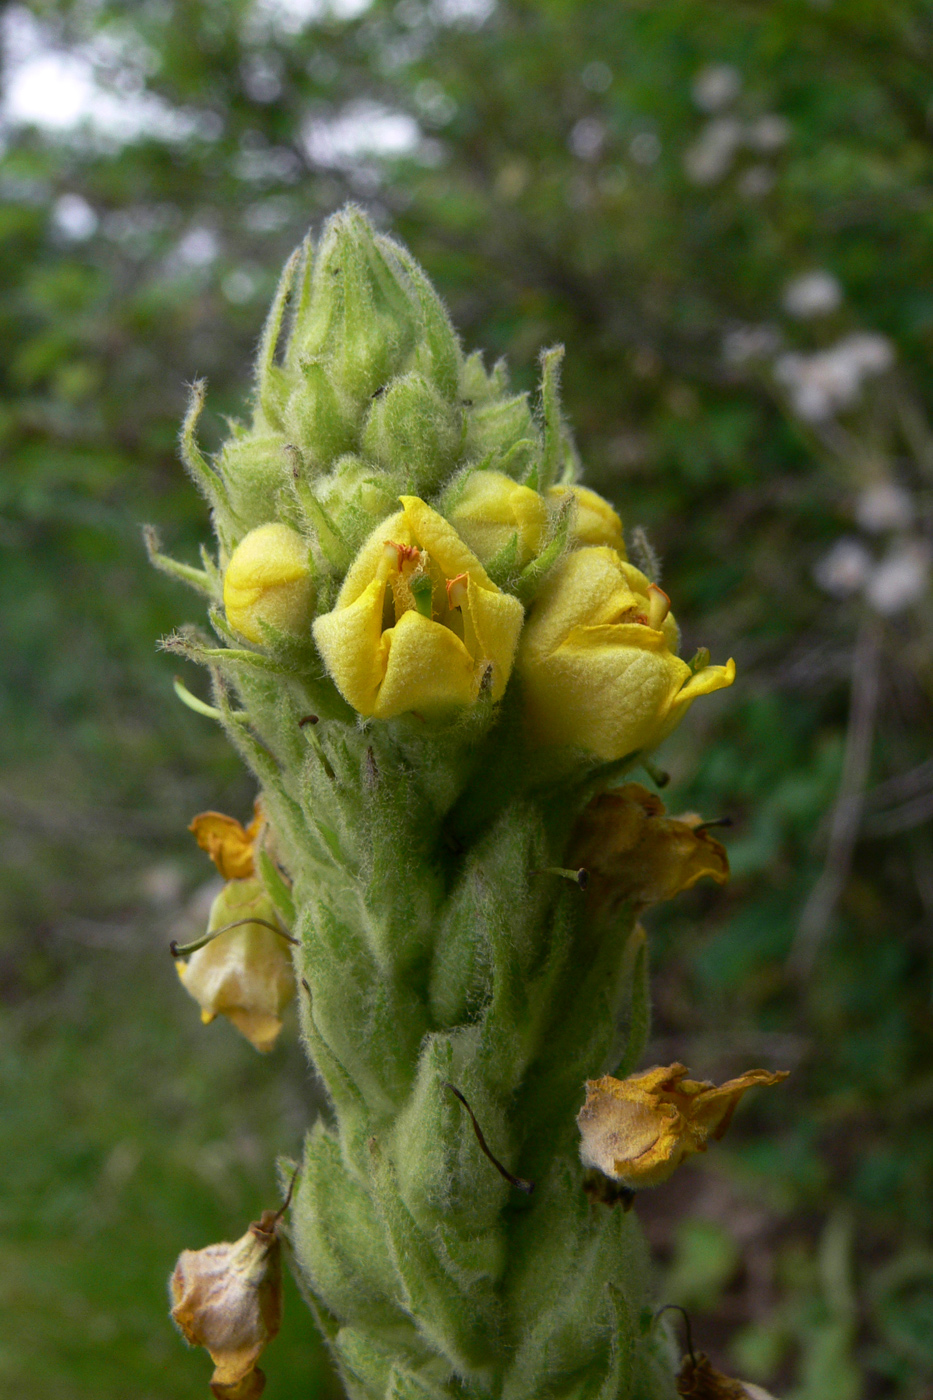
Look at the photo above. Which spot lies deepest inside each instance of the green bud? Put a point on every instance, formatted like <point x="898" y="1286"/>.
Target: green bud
<point x="497" y="425"/>
<point x="357" y="311"/>
<point x="414" y="433"/>
<point x="315" y="418"/>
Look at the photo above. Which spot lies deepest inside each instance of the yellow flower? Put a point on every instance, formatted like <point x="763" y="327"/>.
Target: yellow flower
<point x="632" y="852"/>
<point x="594" y="520"/>
<point x="268" y="580"/>
<point x="418" y="624"/>
<point x="638" y="1130"/>
<point x="228" y="1299"/>
<point x="492" y="510"/>
<point x="246" y="973"/>
<point x="599" y="659"/>
<point x="228" y="843"/>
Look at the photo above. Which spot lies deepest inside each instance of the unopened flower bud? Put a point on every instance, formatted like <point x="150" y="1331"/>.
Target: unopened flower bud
<point x="638" y="1130"/>
<point x="246" y="973"/>
<point x="228" y="1299"/>
<point x="268" y="580"/>
<point x="491" y="510"/>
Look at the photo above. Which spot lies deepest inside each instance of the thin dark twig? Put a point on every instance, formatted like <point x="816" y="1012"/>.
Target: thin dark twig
<point x="517" y="1181"/>
<point x="288" y="1199"/>
<point x="847" y="812"/>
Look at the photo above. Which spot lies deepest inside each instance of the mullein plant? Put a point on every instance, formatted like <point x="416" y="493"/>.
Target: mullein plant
<point x="435" y="656"/>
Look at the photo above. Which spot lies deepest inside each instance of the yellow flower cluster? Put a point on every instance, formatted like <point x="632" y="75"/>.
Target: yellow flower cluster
<point x="419" y="626"/>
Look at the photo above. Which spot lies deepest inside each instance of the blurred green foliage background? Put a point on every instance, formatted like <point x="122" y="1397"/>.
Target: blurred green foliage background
<point x="725" y="211"/>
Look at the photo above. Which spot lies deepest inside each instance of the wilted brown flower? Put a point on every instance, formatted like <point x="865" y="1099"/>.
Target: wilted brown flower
<point x="228" y="1299"/>
<point x="638" y="1130"/>
<point x="699" y="1380"/>
<point x="634" y="853"/>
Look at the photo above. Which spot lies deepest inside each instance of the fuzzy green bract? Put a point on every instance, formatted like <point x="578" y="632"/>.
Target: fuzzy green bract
<point x="437" y="946"/>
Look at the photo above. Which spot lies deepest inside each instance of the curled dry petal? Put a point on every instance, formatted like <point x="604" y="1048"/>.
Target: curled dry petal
<point x="228" y="843"/>
<point x="228" y="1299"/>
<point x="638" y="1130"/>
<point x="634" y="853"/>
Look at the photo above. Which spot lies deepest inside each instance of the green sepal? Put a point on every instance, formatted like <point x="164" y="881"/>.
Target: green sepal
<point x="316" y="419"/>
<point x="503" y="566"/>
<point x="456" y="1326"/>
<point x="276" y="887"/>
<point x="339" y="1239"/>
<point x="534" y="574"/>
<point x="639" y="1021"/>
<point x="437" y="352"/>
<point x="198" y="579"/>
<point x="271" y="379"/>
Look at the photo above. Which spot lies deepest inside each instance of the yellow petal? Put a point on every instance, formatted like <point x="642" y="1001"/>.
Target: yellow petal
<point x="350" y="642"/>
<point x="596" y="675"/>
<point x="427" y="668"/>
<point x="494" y="623"/>
<point x="601" y="693"/>
<point x="433" y="533"/>
<point x="365" y="566"/>
<point x="594" y="521"/>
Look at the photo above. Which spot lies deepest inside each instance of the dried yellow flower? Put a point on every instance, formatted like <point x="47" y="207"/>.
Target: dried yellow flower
<point x="228" y="842"/>
<point x="699" y="1380"/>
<point x="228" y="1299"/>
<point x="638" y="1130"/>
<point x="246" y="972"/>
<point x="633" y="852"/>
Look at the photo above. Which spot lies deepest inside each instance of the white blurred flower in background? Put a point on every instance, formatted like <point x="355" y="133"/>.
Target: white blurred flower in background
<point x="716" y="86"/>
<point x="844" y="569"/>
<point x="829" y="381"/>
<point x="711" y="155"/>
<point x="884" y="506"/>
<point x="744" y="344"/>
<point x="902" y="577"/>
<point x="812" y="294"/>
